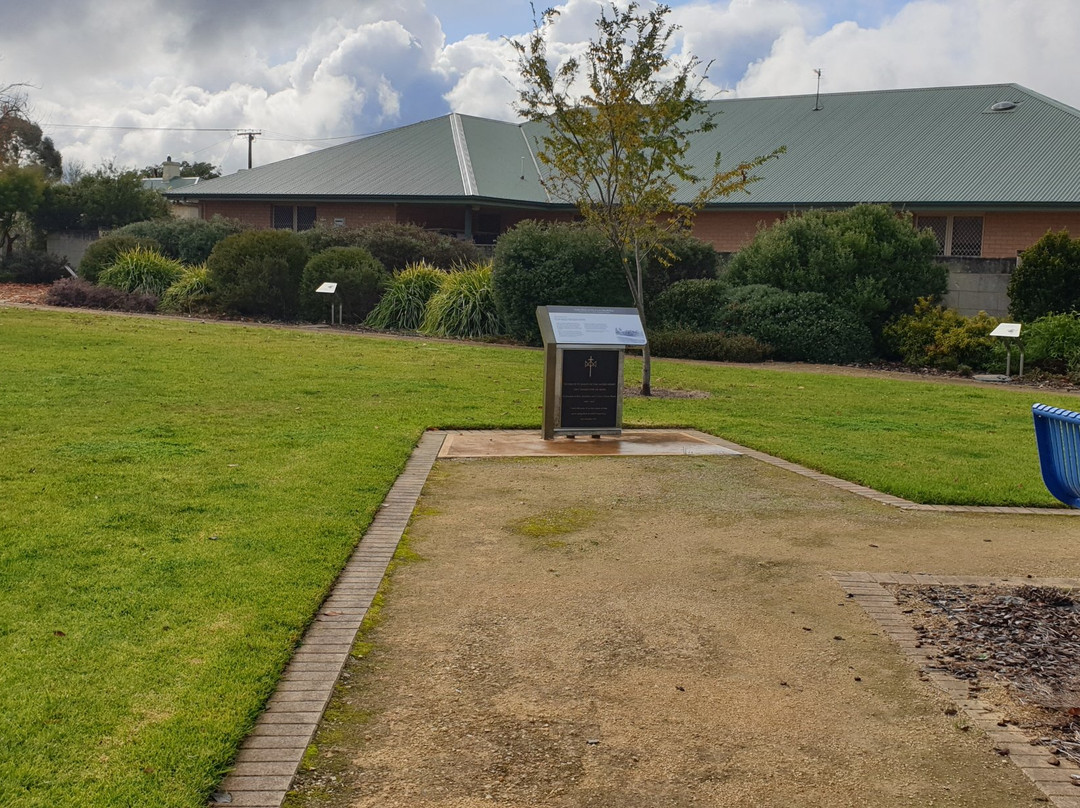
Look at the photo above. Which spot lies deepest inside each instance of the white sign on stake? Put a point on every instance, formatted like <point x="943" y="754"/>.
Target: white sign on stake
<point x="327" y="288"/>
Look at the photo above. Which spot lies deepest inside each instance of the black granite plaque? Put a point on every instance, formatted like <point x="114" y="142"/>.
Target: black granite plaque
<point x="590" y="389"/>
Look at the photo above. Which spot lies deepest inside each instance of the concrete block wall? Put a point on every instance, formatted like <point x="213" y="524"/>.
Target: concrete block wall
<point x="979" y="284"/>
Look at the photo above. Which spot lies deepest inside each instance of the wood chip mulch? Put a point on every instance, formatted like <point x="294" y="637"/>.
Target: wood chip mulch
<point x="1019" y="645"/>
<point x="30" y="293"/>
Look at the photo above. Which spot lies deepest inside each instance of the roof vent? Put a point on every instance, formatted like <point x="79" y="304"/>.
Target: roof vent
<point x="1002" y="106"/>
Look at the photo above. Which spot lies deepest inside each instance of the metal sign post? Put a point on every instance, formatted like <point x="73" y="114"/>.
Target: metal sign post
<point x="583" y="368"/>
<point x="1010" y="331"/>
<point x="330" y="288"/>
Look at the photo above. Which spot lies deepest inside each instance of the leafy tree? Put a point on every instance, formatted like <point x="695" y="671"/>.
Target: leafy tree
<point x="107" y="197"/>
<point x="1047" y="278"/>
<point x="620" y="148"/>
<point x="21" y="190"/>
<point x="21" y="140"/>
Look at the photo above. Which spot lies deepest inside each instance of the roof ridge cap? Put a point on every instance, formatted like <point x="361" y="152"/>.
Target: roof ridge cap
<point x="461" y="149"/>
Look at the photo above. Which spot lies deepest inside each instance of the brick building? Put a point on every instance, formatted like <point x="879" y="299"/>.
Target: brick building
<point x="988" y="168"/>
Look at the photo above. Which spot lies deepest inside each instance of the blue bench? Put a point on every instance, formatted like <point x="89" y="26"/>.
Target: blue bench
<point x="1057" y="433"/>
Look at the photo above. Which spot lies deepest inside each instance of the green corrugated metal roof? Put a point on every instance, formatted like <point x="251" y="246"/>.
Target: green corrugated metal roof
<point x="924" y="147"/>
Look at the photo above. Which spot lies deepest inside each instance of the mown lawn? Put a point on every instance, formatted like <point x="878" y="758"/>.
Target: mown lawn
<point x="176" y="498"/>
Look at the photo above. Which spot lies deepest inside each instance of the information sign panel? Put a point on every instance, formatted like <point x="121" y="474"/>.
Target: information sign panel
<point x="596" y="326"/>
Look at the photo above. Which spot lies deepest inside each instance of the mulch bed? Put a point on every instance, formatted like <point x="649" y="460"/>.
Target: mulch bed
<point x="30" y="293"/>
<point x="1019" y="646"/>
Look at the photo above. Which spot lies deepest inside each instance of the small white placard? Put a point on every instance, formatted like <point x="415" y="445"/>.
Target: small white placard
<point x="597" y="328"/>
<point x="327" y="288"/>
<point x="1006" y="330"/>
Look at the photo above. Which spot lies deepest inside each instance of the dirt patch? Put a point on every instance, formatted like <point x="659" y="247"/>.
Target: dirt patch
<point x="660" y="631"/>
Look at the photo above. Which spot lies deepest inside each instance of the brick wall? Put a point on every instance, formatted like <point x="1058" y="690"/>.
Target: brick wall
<point x="1006" y="233"/>
<point x="730" y="231"/>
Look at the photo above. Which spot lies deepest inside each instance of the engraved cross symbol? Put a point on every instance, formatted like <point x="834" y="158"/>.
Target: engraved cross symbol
<point x="590" y="364"/>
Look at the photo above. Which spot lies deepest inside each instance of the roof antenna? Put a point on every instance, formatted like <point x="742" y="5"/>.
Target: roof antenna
<point x="523" y="168"/>
<point x="817" y="94"/>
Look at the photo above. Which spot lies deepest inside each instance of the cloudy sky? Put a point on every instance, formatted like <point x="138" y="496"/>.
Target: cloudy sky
<point x="131" y="81"/>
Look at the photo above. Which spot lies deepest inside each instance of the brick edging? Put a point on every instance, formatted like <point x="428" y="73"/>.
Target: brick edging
<point x="866" y="589"/>
<point x="270" y="755"/>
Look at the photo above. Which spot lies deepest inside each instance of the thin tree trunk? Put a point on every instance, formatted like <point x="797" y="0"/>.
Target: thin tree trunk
<point x="639" y="299"/>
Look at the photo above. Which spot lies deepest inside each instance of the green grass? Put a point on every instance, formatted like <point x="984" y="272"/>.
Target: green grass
<point x="177" y="498"/>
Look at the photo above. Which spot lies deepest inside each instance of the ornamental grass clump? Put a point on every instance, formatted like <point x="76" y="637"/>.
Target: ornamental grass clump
<point x="192" y="292"/>
<point x="406" y="298"/>
<point x="464" y="306"/>
<point x="142" y="269"/>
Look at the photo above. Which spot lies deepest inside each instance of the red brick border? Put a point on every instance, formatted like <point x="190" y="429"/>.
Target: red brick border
<point x="1056" y="782"/>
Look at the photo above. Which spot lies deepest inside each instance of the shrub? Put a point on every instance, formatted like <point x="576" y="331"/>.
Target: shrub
<point x="709" y="345"/>
<point x="28" y="266"/>
<point x="103" y="252"/>
<point x="867" y="258"/>
<point x="799" y="326"/>
<point x="396" y="245"/>
<point x="1052" y="343"/>
<point x="937" y="337"/>
<point x="680" y="257"/>
<point x="191" y="293"/>
<point x="403" y="303"/>
<point x="1047" y="278"/>
<point x="360" y="282"/>
<point x="540" y="264"/>
<point x="81" y="293"/>
<point x="691" y="304"/>
<point x="464" y="306"/>
<point x="187" y="240"/>
<point x="141" y="269"/>
<point x="257" y="273"/>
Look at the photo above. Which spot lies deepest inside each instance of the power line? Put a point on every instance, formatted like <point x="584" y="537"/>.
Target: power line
<point x="239" y="130"/>
<point x="134" y="128"/>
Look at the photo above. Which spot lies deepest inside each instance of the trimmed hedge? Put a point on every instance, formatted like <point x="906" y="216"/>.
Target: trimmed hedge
<point x="396" y="245"/>
<point x="869" y="259"/>
<point x="708" y="345"/>
<point x="799" y="326"/>
<point x="680" y="257"/>
<point x="696" y="305"/>
<point x="1047" y="278"/>
<point x="257" y="273"/>
<point x="188" y="240"/>
<point x="538" y="264"/>
<point x="27" y="266"/>
<point x="360" y="283"/>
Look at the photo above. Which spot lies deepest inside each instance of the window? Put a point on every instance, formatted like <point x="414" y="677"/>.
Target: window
<point x="956" y="235"/>
<point x="967" y="235"/>
<point x="293" y="217"/>
<point x="939" y="225"/>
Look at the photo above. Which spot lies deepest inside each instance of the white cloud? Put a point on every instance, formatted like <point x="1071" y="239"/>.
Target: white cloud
<point x="338" y="67"/>
<point x="929" y="43"/>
